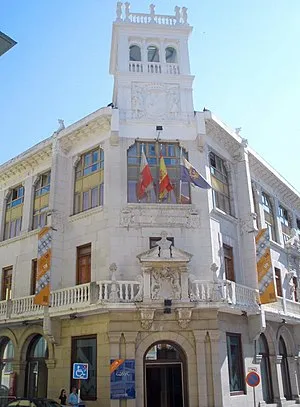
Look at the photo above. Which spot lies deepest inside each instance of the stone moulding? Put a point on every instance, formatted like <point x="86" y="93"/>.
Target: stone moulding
<point x="140" y="215"/>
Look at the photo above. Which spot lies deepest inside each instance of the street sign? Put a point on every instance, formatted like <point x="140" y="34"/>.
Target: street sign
<point x="252" y="379"/>
<point x="80" y="371"/>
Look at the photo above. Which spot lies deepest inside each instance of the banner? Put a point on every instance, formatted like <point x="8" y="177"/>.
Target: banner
<point x="265" y="276"/>
<point x="122" y="379"/>
<point x="42" y="293"/>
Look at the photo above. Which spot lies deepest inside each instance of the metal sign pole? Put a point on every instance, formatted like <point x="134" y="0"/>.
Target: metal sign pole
<point x="79" y="385"/>
<point x="254" y="398"/>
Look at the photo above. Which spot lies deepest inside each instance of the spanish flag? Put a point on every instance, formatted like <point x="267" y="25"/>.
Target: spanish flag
<point x="165" y="185"/>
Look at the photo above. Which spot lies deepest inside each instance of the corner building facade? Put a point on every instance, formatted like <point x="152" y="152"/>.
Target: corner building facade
<point x="169" y="284"/>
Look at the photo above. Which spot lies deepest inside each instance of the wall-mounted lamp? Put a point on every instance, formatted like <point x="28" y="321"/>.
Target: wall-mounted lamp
<point x="159" y="129"/>
<point x="167" y="306"/>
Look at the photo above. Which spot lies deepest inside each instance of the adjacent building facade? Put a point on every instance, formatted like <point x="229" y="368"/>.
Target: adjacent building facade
<point x="169" y="285"/>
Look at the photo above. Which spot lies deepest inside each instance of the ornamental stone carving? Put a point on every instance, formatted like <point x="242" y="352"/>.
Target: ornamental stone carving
<point x="151" y="100"/>
<point x="147" y="317"/>
<point x="165" y="284"/>
<point x="184" y="316"/>
<point x="136" y="215"/>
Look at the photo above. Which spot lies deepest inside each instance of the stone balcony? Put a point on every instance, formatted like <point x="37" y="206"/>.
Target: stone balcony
<point x="153" y="68"/>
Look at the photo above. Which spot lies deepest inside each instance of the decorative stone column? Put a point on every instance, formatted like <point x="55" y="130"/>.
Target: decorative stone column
<point x="27" y="205"/>
<point x="52" y="381"/>
<point x="293" y="376"/>
<point x="114" y="341"/>
<point x="201" y="367"/>
<point x="19" y="368"/>
<point x="297" y="377"/>
<point x="130" y="338"/>
<point x="216" y="367"/>
<point x="277" y="384"/>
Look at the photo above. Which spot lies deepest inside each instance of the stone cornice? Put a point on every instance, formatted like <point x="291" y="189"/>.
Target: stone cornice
<point x="261" y="171"/>
<point x="272" y="182"/>
<point x="24" y="164"/>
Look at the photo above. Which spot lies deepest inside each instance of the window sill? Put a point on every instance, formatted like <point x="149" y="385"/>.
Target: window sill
<point x="86" y="213"/>
<point x="237" y="393"/>
<point x="159" y="205"/>
<point x="20" y="237"/>
<point x="224" y="215"/>
<point x="277" y="245"/>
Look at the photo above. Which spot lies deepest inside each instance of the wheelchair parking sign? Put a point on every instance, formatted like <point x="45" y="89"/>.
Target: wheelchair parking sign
<point x="80" y="371"/>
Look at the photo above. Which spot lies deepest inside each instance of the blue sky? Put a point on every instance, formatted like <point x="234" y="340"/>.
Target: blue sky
<point x="244" y="54"/>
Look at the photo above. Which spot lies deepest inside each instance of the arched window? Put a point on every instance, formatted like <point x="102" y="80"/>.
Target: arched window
<point x="171" y="153"/>
<point x="6" y="359"/>
<point x="269" y="215"/>
<point x="153" y="54"/>
<point x="266" y="376"/>
<point x="171" y="55"/>
<point x="14" y="212"/>
<point x="285" y="374"/>
<point x="165" y="377"/>
<point x="36" y="368"/>
<point x="41" y="200"/>
<point x="220" y="183"/>
<point x="89" y="180"/>
<point x="135" y="53"/>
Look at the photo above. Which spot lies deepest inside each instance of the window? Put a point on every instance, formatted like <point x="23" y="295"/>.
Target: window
<point x="153" y="241"/>
<point x="6" y="359"/>
<point x="84" y="264"/>
<point x="278" y="282"/>
<point x="235" y="364"/>
<point x="84" y="350"/>
<point x="295" y="285"/>
<point x="266" y="375"/>
<point x="269" y="215"/>
<point x="6" y="283"/>
<point x="134" y="53"/>
<point x="14" y="212"/>
<point x="171" y="56"/>
<point x="153" y="54"/>
<point x="219" y="182"/>
<point x="41" y="200"/>
<point x="89" y="181"/>
<point x="285" y="371"/>
<point x="36" y="368"/>
<point x="228" y="263"/>
<point x="285" y="223"/>
<point x="33" y="276"/>
<point x="171" y="153"/>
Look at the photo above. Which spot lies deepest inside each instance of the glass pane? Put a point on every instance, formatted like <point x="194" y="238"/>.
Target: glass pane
<point x="84" y="351"/>
<point x="94" y="197"/>
<point x="18" y="226"/>
<point x="153" y="55"/>
<point x="87" y="171"/>
<point x="171" y="55"/>
<point x="134" y="53"/>
<point x="40" y="349"/>
<point x="87" y="159"/>
<point x="95" y="156"/>
<point x="85" y="200"/>
<point x="12" y="229"/>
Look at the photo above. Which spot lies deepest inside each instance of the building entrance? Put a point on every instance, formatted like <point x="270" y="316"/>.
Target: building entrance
<point x="164" y="379"/>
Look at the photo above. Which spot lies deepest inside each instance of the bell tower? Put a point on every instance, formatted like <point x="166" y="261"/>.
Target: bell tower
<point x="150" y="63"/>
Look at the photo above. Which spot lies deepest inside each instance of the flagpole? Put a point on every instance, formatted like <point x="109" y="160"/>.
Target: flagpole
<point x="180" y="181"/>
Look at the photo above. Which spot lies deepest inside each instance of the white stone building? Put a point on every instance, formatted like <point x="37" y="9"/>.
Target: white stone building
<point x="187" y="313"/>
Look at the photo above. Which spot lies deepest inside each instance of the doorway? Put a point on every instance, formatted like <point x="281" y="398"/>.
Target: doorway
<point x="165" y="372"/>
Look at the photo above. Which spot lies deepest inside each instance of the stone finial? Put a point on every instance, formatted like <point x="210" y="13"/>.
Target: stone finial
<point x="184" y="15"/>
<point x="61" y="125"/>
<point x="152" y="12"/>
<point x="113" y="269"/>
<point x="244" y="142"/>
<point x="127" y="11"/>
<point x="119" y="11"/>
<point x="177" y="14"/>
<point x="238" y="130"/>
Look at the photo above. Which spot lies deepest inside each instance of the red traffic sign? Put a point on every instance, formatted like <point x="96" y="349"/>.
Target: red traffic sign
<point x="252" y="379"/>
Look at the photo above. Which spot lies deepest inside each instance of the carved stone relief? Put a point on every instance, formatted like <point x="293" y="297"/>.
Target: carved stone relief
<point x="184" y="316"/>
<point x="150" y="100"/>
<point x="159" y="216"/>
<point x="147" y="316"/>
<point x="165" y="283"/>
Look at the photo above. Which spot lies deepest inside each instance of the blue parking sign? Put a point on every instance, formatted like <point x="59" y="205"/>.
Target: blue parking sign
<point x="80" y="371"/>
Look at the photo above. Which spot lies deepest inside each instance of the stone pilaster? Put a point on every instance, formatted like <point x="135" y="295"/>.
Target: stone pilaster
<point x="215" y="341"/>
<point x="20" y="369"/>
<point x="201" y="367"/>
<point x="275" y="362"/>
<point x="114" y="342"/>
<point x="130" y="338"/>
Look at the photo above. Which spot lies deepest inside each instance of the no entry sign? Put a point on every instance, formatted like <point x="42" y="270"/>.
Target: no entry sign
<point x="252" y="379"/>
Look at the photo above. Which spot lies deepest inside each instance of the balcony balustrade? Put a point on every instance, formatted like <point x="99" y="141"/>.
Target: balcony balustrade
<point x="104" y="293"/>
<point x="153" y="68"/>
